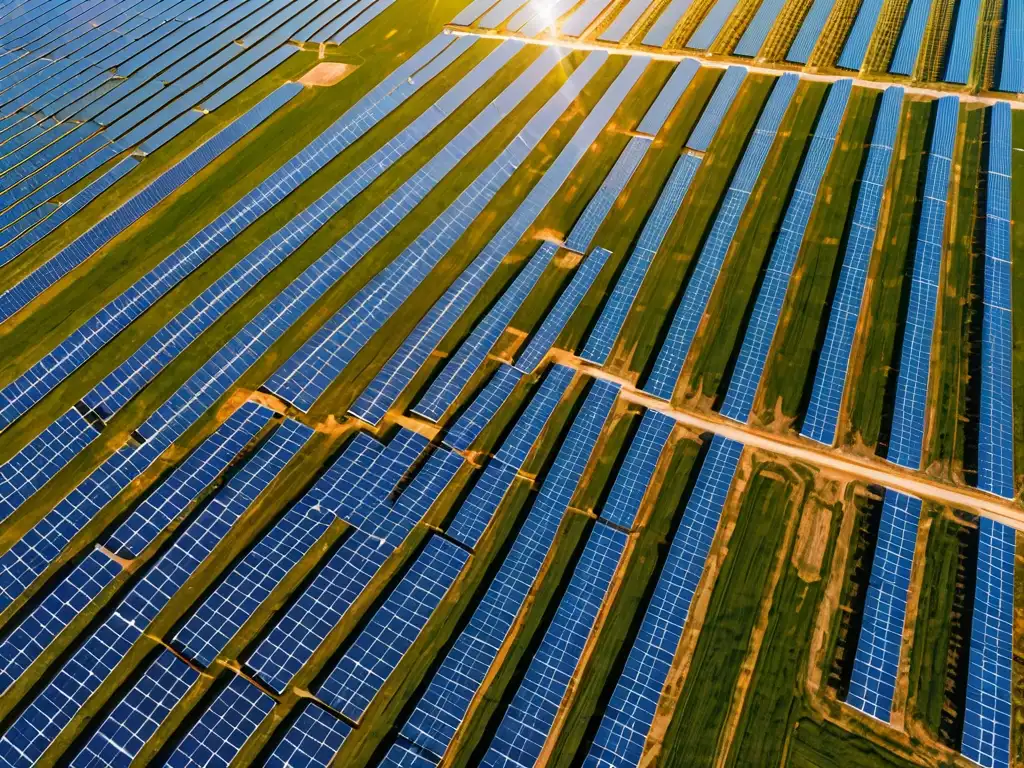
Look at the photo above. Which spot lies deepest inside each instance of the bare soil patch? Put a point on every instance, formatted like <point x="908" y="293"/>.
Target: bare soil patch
<point x="327" y="73"/>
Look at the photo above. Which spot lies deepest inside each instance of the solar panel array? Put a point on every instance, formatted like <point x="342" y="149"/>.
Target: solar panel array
<point x="584" y="16"/>
<point x="756" y="33"/>
<point x="716" y="109"/>
<point x="627" y="719"/>
<point x="989" y="704"/>
<point x="445" y="702"/>
<point x="905" y="442"/>
<point x="904" y="58"/>
<point x="857" y="42"/>
<point x="312" y="740"/>
<point x="807" y="38"/>
<point x="397" y="372"/>
<point x="634" y="476"/>
<point x="960" y="52"/>
<point x="662" y="380"/>
<point x="485" y="405"/>
<point x="995" y="418"/>
<point x="876" y="663"/>
<point x="668" y="97"/>
<point x="711" y="26"/>
<point x="1011" y="73"/>
<point x="757" y="339"/>
<point x="822" y="414"/>
<point x="666" y="23"/>
<point x="624" y="21"/>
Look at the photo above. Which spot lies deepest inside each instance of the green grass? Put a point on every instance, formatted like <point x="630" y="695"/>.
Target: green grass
<point x="818" y="744"/>
<point x="788" y="372"/>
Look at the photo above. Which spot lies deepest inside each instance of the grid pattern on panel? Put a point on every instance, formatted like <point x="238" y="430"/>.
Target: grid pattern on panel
<point x="391" y="631"/>
<point x="520" y="737"/>
<point x="35" y="464"/>
<point x="904" y="58"/>
<point x="960" y="51"/>
<point x="583" y="17"/>
<point x="876" y="663"/>
<point x="712" y="24"/>
<point x="223" y="729"/>
<point x="444" y="704"/>
<point x="995" y="426"/>
<point x="450" y="383"/>
<point x="662" y="380"/>
<point x="114" y="317"/>
<point x="623" y="729"/>
<point x="717" y="107"/>
<point x="830" y="375"/>
<point x="1011" y="75"/>
<point x="857" y="42"/>
<point x="308" y="372"/>
<point x="634" y="477"/>
<point x="381" y="394"/>
<point x="312" y="740"/>
<point x="606" y="330"/>
<point x="757" y="338"/>
<point x="473" y="420"/>
<point x="555" y="321"/>
<point x="666" y="22"/>
<point x="757" y="31"/>
<point x="807" y="38"/>
<point x="905" y="442"/>
<point x="668" y="97"/>
<point x="988" y="712"/>
<point x="137" y="716"/>
<point x="624" y="21"/>
<point x="353" y="503"/>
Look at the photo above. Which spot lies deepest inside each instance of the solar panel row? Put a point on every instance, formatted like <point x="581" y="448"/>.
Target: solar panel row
<point x="807" y="38"/>
<point x="662" y="380"/>
<point x="634" y="476"/>
<point x="312" y="740"/>
<point x="960" y="50"/>
<point x="830" y="375"/>
<point x="460" y="368"/>
<point x="308" y="372"/>
<point x="711" y="26"/>
<point x="625" y="20"/>
<point x="857" y="42"/>
<point x="668" y="97"/>
<point x="444" y="704"/>
<point x="756" y="33"/>
<point x="904" y="58"/>
<point x="907" y="436"/>
<point x="757" y="339"/>
<point x="1011" y="72"/>
<point x="620" y="737"/>
<point x="609" y="323"/>
<point x="583" y="17"/>
<point x="558" y="317"/>
<point x="666" y="23"/>
<point x="715" y="110"/>
<point x="876" y="663"/>
<point x="380" y="395"/>
<point x="988" y="706"/>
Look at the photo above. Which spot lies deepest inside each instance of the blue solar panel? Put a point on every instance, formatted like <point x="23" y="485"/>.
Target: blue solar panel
<point x="479" y="507"/>
<point x="555" y="321"/>
<point x="856" y="47"/>
<point x="662" y="380"/>
<point x="830" y="375"/>
<point x="472" y="422"/>
<point x="583" y="17"/>
<point x="473" y="11"/>
<point x="223" y="729"/>
<point x="712" y="24"/>
<point x="627" y="719"/>
<point x="1011" y="75"/>
<point x="443" y="705"/>
<point x="807" y="38"/>
<point x="876" y="663"/>
<point x="383" y="642"/>
<point x="380" y="395"/>
<point x="606" y="330"/>
<point x="756" y="33"/>
<point x="960" y="52"/>
<point x="135" y="718"/>
<point x="520" y="737"/>
<point x="322" y="604"/>
<point x="624" y="21"/>
<point x="668" y="19"/>
<point x="668" y="97"/>
<point x="907" y="435"/>
<point x="988" y="711"/>
<point x="634" y="476"/>
<point x="375" y="9"/>
<point x="452" y="381"/>
<point x="757" y="340"/>
<point x="904" y="58"/>
<point x="312" y="740"/>
<point x="995" y="421"/>
<point x="717" y="107"/>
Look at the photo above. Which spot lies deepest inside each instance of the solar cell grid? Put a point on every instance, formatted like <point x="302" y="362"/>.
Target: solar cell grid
<point x="830" y="375"/>
<point x="904" y="58"/>
<point x="312" y="740"/>
<point x="393" y="628"/>
<point x="555" y="321"/>
<point x="627" y="719"/>
<point x="383" y="391"/>
<point x="876" y="663"/>
<point x="1011" y="73"/>
<point x="857" y="41"/>
<point x="663" y="27"/>
<point x="473" y="420"/>
<point x="583" y="17"/>
<point x="634" y="476"/>
<point x="756" y="33"/>
<point x="711" y="26"/>
<point x="626" y="18"/>
<point x="452" y="381"/>
<point x="960" y="50"/>
<point x="718" y="105"/>
<point x="676" y="346"/>
<point x="807" y="38"/>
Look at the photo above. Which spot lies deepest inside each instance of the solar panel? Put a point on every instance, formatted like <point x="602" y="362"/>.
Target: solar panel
<point x="624" y="21"/>
<point x="609" y="323"/>
<point x="520" y="737"/>
<point x="856" y="47"/>
<point x="445" y="702"/>
<point x="472" y="422"/>
<point x="674" y="349"/>
<point x="830" y="376"/>
<point x="460" y="368"/>
<point x="915" y="354"/>
<point x="717" y="107"/>
<point x="135" y="718"/>
<point x="393" y="628"/>
<point x="634" y="476"/>
<point x="757" y="339"/>
<point x="756" y="33"/>
<point x="312" y="740"/>
<point x="988" y="710"/>
<point x="876" y="663"/>
<point x="711" y="26"/>
<point x="904" y="58"/>
<point x="223" y="729"/>
<point x="628" y="716"/>
<point x="668" y="97"/>
<point x="383" y="391"/>
<point x="666" y="22"/>
<point x="558" y="317"/>
<point x="960" y="51"/>
<point x="807" y="38"/>
<point x="1011" y="73"/>
<point x="583" y="17"/>
<point x="995" y="421"/>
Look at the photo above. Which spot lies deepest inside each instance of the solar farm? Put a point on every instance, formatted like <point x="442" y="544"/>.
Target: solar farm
<point x="509" y="383"/>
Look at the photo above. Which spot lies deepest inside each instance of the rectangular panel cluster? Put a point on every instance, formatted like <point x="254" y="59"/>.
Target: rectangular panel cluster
<point x="312" y="740"/>
<point x="904" y="58"/>
<point x="807" y="38"/>
<point x="717" y="107"/>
